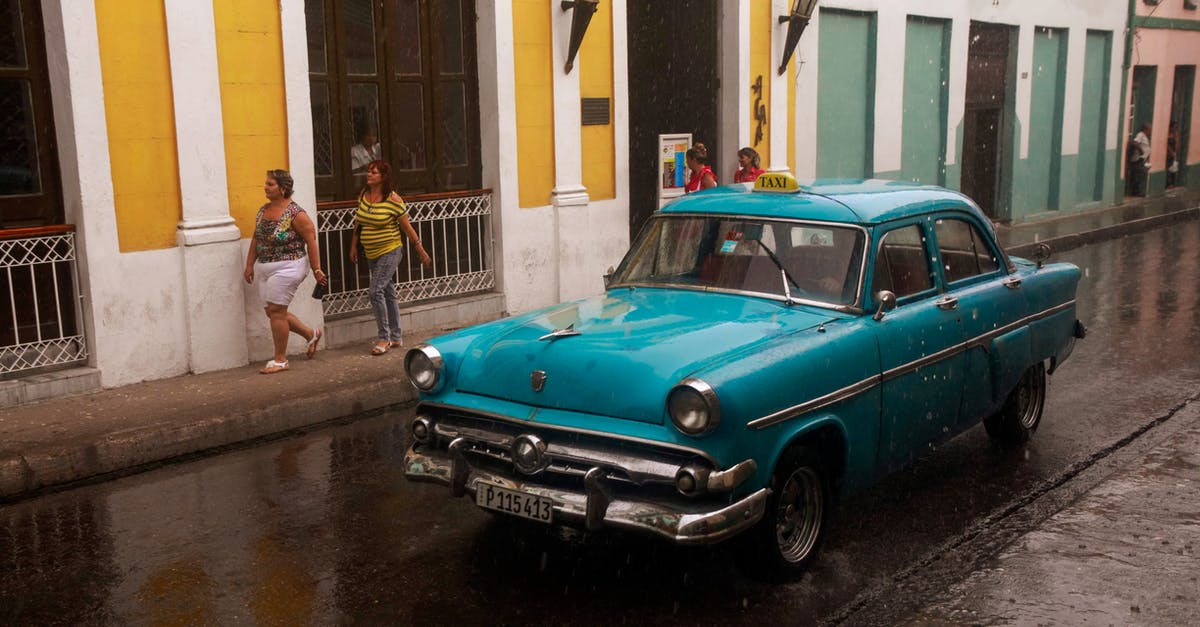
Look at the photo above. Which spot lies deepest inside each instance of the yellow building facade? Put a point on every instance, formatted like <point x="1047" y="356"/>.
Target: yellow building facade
<point x="527" y="171"/>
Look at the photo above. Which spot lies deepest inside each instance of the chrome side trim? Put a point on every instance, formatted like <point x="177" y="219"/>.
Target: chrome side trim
<point x="860" y="387"/>
<point x="549" y="427"/>
<point x="836" y="396"/>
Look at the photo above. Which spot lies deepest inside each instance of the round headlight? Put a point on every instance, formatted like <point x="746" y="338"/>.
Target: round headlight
<point x="693" y="407"/>
<point x="423" y="364"/>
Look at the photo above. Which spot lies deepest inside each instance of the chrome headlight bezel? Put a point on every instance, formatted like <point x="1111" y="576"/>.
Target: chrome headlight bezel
<point x="424" y="365"/>
<point x="694" y="407"/>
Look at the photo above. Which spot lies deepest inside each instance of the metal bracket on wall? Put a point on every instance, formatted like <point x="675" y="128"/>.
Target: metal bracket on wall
<point x="760" y="110"/>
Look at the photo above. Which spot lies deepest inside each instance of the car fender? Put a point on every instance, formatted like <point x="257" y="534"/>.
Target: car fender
<point x="1011" y="355"/>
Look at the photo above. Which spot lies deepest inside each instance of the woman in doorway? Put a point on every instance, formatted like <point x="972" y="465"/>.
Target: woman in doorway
<point x="749" y="166"/>
<point x="702" y="176"/>
<point x="381" y="218"/>
<point x="284" y="247"/>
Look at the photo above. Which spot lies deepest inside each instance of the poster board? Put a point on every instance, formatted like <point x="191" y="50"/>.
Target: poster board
<point x="672" y="171"/>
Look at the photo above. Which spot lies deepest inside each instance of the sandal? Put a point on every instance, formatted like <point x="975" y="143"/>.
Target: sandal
<point x="395" y="343"/>
<point x="274" y="366"/>
<point x="380" y="348"/>
<point x="312" y="344"/>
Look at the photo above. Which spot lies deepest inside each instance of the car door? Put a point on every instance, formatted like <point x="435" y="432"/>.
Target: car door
<point x="990" y="305"/>
<point x="921" y="364"/>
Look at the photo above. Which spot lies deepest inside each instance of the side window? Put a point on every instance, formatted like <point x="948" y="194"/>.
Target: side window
<point x="962" y="250"/>
<point x="901" y="265"/>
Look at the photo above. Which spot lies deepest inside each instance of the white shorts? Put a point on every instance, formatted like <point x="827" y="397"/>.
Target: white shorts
<point x="278" y="280"/>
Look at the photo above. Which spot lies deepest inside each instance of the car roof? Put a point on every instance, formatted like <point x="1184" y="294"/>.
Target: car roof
<point x="871" y="201"/>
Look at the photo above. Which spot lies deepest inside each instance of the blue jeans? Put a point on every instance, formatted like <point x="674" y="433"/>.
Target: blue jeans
<point x="382" y="291"/>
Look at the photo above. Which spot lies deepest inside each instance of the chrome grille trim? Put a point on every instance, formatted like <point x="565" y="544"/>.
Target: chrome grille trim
<point x="646" y="466"/>
<point x="473" y="414"/>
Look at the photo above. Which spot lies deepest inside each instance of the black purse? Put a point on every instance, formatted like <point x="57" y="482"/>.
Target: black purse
<point x="320" y="290"/>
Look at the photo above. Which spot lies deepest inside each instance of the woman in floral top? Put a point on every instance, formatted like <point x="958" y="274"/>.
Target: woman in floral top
<point x="284" y="246"/>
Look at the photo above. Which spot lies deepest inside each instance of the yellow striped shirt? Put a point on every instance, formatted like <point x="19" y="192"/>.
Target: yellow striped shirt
<point x="379" y="230"/>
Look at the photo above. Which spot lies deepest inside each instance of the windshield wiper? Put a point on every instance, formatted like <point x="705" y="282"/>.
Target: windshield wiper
<point x="783" y="273"/>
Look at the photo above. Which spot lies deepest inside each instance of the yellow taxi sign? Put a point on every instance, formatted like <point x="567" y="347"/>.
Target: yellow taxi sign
<point x="777" y="182"/>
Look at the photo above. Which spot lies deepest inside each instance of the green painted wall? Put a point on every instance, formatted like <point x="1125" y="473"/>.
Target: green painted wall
<point x="1036" y="186"/>
<point x="1090" y="185"/>
<point x="926" y="80"/>
<point x="846" y="95"/>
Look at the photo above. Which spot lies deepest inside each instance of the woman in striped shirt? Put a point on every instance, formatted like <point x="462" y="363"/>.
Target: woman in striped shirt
<point x="381" y="217"/>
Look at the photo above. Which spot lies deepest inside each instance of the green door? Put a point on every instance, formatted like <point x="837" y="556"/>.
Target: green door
<point x="1043" y="168"/>
<point x="926" y="80"/>
<point x="846" y="95"/>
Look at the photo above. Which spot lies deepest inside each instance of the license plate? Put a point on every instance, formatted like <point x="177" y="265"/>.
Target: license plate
<point x="500" y="499"/>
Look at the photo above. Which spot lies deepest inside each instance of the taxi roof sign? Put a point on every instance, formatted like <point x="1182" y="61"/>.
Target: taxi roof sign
<point x="776" y="182"/>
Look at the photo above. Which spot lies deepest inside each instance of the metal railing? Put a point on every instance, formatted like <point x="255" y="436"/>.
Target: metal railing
<point x="39" y="317"/>
<point x="455" y="229"/>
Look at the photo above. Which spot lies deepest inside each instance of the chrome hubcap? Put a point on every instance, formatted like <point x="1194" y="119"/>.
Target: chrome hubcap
<point x="800" y="510"/>
<point x="1029" y="397"/>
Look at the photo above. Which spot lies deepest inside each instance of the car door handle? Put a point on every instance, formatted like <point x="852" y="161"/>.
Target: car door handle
<point x="1012" y="283"/>
<point x="947" y="303"/>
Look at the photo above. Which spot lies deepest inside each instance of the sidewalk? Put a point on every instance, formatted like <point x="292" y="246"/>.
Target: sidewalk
<point x="1126" y="553"/>
<point x="59" y="441"/>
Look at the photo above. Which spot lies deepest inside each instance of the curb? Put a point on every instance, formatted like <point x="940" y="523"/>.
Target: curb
<point x="1113" y="231"/>
<point x="126" y="452"/>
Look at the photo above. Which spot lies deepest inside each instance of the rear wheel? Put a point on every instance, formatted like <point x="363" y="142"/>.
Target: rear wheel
<point x="790" y="533"/>
<point x="1021" y="413"/>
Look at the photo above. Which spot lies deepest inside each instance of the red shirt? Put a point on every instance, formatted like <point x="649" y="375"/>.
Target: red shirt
<point x="743" y="175"/>
<point x="693" y="184"/>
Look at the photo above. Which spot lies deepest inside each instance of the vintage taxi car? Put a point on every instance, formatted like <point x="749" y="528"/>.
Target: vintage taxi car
<point x="758" y="352"/>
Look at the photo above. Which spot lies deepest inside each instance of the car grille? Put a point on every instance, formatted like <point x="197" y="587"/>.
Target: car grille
<point x="571" y="454"/>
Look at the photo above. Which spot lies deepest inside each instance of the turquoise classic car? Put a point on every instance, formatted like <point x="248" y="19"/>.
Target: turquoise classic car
<point x="758" y="352"/>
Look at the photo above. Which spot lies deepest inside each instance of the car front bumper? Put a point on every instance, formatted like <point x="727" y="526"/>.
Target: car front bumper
<point x="597" y="506"/>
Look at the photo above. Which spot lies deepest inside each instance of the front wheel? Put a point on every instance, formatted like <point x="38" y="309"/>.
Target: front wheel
<point x="1021" y="413"/>
<point x="786" y="540"/>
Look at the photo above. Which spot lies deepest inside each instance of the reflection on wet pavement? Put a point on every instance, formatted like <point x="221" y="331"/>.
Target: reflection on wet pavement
<point x="1126" y="553"/>
<point x="324" y="528"/>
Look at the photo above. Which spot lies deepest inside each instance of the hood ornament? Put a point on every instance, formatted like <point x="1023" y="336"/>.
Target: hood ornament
<point x="537" y="380"/>
<point x="557" y="333"/>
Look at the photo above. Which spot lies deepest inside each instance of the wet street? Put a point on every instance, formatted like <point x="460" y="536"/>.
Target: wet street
<point x="324" y="528"/>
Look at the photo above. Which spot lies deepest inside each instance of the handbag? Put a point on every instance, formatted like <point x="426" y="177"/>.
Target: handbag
<point x="320" y="290"/>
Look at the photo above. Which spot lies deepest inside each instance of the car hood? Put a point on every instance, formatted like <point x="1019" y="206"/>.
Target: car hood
<point x="632" y="347"/>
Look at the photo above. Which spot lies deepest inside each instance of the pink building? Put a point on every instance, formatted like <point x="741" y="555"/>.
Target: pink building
<point x="1162" y="58"/>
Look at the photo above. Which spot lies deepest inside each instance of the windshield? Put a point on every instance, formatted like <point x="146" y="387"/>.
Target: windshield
<point x="816" y="262"/>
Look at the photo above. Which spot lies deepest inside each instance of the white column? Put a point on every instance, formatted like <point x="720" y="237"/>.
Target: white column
<point x="498" y="127"/>
<point x="777" y="160"/>
<point x="568" y="161"/>
<point x="569" y="197"/>
<point x="806" y="100"/>
<point x="81" y="128"/>
<point x="891" y="39"/>
<point x="196" y="88"/>
<point x="733" y="117"/>
<point x="1073" y="96"/>
<point x="212" y="256"/>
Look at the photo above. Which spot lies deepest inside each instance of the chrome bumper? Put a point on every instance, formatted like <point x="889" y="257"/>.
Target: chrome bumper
<point x="596" y="506"/>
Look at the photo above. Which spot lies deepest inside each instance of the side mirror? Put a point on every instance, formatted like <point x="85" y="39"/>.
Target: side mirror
<point x="608" y="276"/>
<point x="1041" y="253"/>
<point x="887" y="302"/>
